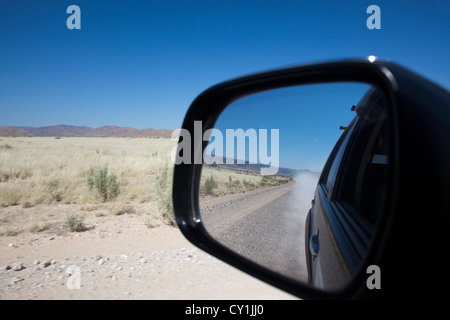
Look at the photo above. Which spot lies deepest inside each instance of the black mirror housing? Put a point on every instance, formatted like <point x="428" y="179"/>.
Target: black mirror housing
<point x="420" y="118"/>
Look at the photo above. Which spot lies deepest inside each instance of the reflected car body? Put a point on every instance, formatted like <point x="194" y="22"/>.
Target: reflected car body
<point x="349" y="196"/>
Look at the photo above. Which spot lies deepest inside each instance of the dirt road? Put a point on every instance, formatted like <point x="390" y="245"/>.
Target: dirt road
<point x="119" y="258"/>
<point x="266" y="226"/>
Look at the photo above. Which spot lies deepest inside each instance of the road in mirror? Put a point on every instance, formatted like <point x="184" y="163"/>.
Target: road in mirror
<point x="267" y="159"/>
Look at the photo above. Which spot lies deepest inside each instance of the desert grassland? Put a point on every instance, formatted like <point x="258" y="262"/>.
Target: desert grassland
<point x="45" y="170"/>
<point x="45" y="181"/>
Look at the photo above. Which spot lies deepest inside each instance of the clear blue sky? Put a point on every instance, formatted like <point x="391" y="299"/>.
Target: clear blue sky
<point x="306" y="134"/>
<point x="141" y="63"/>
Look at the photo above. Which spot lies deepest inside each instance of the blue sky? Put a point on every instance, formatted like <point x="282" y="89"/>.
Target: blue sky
<point x="141" y="63"/>
<point x="306" y="134"/>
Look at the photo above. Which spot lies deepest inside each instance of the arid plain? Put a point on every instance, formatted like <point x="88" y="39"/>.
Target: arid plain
<point x="101" y="206"/>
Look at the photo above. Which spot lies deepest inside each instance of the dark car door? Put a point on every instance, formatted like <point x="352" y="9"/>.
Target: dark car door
<point x="349" y="197"/>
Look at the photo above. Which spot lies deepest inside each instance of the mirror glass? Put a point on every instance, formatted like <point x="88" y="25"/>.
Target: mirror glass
<point x="294" y="179"/>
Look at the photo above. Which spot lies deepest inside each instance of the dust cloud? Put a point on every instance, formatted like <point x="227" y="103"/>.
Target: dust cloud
<point x="299" y="203"/>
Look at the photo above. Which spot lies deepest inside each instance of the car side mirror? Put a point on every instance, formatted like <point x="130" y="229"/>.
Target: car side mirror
<point x="292" y="175"/>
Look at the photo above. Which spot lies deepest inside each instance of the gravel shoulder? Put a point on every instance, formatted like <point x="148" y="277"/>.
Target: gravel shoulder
<point x="118" y="257"/>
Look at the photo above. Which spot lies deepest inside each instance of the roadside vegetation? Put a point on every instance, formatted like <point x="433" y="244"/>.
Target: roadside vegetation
<point x="86" y="173"/>
<point x="45" y="170"/>
<point x="75" y="222"/>
<point x="220" y="181"/>
<point x="162" y="194"/>
<point x="96" y="177"/>
<point x="104" y="183"/>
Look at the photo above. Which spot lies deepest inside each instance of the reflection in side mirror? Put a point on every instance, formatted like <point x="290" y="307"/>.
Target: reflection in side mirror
<point x="284" y="186"/>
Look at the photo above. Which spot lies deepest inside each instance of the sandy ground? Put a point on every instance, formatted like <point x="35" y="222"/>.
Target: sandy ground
<point x="118" y="257"/>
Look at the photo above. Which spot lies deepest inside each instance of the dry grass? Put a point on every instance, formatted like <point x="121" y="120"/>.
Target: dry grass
<point x="232" y="181"/>
<point x="44" y="180"/>
<point x="46" y="170"/>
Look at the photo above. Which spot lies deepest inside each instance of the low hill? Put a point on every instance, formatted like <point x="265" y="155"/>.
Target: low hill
<point x="82" y="131"/>
<point x="14" y="132"/>
<point x="248" y="166"/>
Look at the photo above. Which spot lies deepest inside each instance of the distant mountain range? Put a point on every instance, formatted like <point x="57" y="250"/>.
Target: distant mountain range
<point x="81" y="131"/>
<point x="256" y="167"/>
